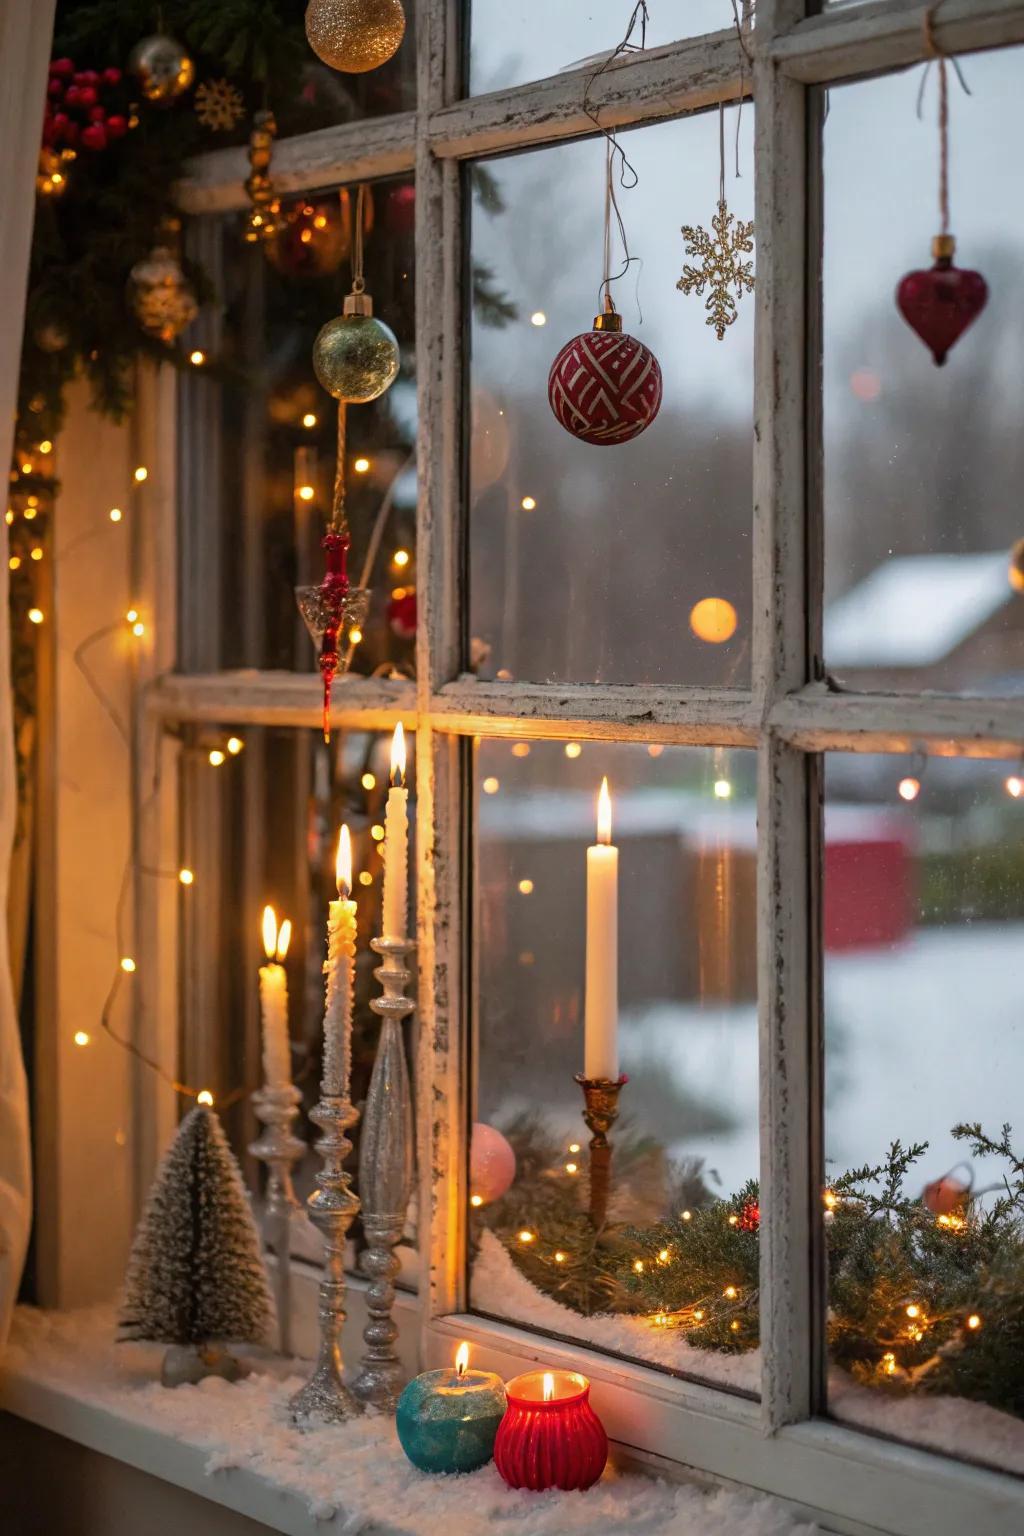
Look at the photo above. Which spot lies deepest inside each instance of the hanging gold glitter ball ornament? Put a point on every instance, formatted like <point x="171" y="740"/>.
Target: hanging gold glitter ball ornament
<point x="355" y="35"/>
<point x="162" y="68"/>
<point x="161" y="295"/>
<point x="355" y="356"/>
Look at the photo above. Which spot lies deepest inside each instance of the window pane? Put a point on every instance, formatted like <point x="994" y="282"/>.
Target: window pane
<point x="685" y="1145"/>
<point x="923" y="464"/>
<point x="924" y="922"/>
<point x="258" y="828"/>
<point x="508" y="47"/>
<point x="258" y="441"/>
<point x="587" y="561"/>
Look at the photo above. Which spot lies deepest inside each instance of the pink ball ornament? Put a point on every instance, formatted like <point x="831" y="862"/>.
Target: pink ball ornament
<point x="604" y="386"/>
<point x="492" y="1164"/>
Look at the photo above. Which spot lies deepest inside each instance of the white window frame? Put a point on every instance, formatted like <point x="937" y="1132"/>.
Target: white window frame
<point x="857" y="1483"/>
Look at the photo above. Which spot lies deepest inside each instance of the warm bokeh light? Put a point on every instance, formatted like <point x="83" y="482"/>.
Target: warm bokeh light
<point x="81" y="1037"/>
<point x="723" y="789"/>
<point x="35" y="615"/>
<point x="604" y="814"/>
<point x="127" y="964"/>
<point x="909" y="788"/>
<point x="573" y="749"/>
<point x="476" y="1200"/>
<point x="538" y="317"/>
<point x="1015" y="786"/>
<point x="116" y="514"/>
<point x="14" y="562"/>
<point x="361" y="465"/>
<point x="46" y="446"/>
<point x="309" y="420"/>
<point x="713" y="619"/>
<point x="355" y="635"/>
<point x="234" y="745"/>
<point x="186" y="877"/>
<point x="528" y="503"/>
<point x="343" y="864"/>
<point x="521" y="749"/>
<point x="365" y="877"/>
<point x="204" y="1096"/>
<point x="216" y="757"/>
<point x="491" y="786"/>
<point x="400" y="558"/>
<point x="132" y="615"/>
<point x="368" y="780"/>
<point x="526" y="887"/>
<point x="306" y="493"/>
<point x="138" y="629"/>
<point x="974" y="1321"/>
<point x="141" y="474"/>
<point x="377" y="832"/>
<point x="197" y="358"/>
<point x="865" y="384"/>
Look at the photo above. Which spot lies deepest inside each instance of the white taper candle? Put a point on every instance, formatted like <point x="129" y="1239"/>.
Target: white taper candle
<point x="601" y="1029"/>
<point x="277" y="1056"/>
<point x="396" y="844"/>
<point x="340" y="970"/>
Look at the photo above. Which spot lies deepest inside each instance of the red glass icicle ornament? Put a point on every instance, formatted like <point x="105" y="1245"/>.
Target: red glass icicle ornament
<point x="328" y="607"/>
<point x="940" y="302"/>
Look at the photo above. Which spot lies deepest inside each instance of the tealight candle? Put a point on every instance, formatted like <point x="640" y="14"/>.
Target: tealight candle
<point x="447" y="1420"/>
<point x="550" y="1436"/>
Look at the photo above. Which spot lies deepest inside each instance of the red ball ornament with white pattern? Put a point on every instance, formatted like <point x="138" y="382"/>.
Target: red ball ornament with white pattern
<point x="605" y="386"/>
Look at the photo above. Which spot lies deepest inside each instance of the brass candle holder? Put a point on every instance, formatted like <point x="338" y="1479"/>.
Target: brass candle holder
<point x="600" y="1111"/>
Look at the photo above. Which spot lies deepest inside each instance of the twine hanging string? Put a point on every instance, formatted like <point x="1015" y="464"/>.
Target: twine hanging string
<point x="721" y="153"/>
<point x="627" y="175"/>
<point x="937" y="55"/>
<point x="742" y="24"/>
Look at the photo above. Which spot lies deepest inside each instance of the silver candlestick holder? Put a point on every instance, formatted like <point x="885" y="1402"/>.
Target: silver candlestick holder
<point x="332" y="1208"/>
<point x="385" y="1177"/>
<point x="276" y="1146"/>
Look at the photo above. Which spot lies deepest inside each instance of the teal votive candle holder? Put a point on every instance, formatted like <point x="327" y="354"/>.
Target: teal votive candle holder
<point x="447" y="1420"/>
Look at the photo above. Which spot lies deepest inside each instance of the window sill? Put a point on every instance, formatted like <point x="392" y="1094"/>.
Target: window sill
<point x="234" y="1447"/>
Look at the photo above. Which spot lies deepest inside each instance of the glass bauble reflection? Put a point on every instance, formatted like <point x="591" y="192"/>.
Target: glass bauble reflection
<point x="355" y="357"/>
<point x="162" y="68"/>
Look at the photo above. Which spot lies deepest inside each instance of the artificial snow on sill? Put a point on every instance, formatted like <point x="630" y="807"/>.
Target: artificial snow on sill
<point x="352" y="1478"/>
<point x="953" y="1426"/>
<point x="499" y="1288"/>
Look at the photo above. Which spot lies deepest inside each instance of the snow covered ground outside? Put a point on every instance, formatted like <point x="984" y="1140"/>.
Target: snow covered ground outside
<point x="353" y="1477"/>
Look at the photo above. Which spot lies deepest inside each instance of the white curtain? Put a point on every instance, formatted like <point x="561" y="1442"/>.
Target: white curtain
<point x="26" y="30"/>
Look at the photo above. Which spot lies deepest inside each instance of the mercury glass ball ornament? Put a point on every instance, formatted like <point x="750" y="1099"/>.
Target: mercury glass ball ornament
<point x="162" y="68"/>
<point x="355" y="35"/>
<point x="355" y="356"/>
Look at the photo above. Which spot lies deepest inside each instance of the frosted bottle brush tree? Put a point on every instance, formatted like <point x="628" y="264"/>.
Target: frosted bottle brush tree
<point x="195" y="1278"/>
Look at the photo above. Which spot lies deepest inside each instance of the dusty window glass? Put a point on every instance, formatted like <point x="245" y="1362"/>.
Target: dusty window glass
<point x="261" y="813"/>
<point x="923" y="462"/>
<point x="924" y="1135"/>
<point x="508" y="47"/>
<point x="663" y="1268"/>
<point x="623" y="562"/>
<point x="259" y="434"/>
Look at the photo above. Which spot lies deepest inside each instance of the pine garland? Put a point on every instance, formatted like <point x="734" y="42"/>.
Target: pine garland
<point x="917" y="1301"/>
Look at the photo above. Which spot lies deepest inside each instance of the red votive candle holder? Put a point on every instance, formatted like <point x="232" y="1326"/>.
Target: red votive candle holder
<point x="550" y="1436"/>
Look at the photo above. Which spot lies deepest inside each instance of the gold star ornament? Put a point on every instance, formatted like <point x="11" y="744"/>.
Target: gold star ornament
<point x="722" y="267"/>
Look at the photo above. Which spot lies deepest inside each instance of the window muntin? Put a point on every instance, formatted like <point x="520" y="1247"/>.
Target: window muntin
<point x="922" y="463"/>
<point x="508" y="46"/>
<point x="267" y="482"/>
<point x="924" y="918"/>
<point x="587" y="563"/>
<point x="686" y="1139"/>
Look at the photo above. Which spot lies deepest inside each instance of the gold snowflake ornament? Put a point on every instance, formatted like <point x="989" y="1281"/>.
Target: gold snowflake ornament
<point x="722" y="266"/>
<point x="219" y="105"/>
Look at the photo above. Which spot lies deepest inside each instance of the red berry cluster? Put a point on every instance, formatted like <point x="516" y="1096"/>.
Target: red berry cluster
<point x="749" y="1217"/>
<point x="76" y="111"/>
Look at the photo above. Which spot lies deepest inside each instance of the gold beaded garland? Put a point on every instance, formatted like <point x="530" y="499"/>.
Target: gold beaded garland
<point x="355" y="35"/>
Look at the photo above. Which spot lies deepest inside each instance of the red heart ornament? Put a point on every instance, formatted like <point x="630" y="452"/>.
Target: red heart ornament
<point x="940" y="302"/>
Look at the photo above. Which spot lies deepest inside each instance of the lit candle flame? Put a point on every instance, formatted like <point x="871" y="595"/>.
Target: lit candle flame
<point x="604" y="814"/>
<point x="398" y="755"/>
<point x="275" y="939"/>
<point x="549" y="1380"/>
<point x="461" y="1360"/>
<point x="343" y="865"/>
